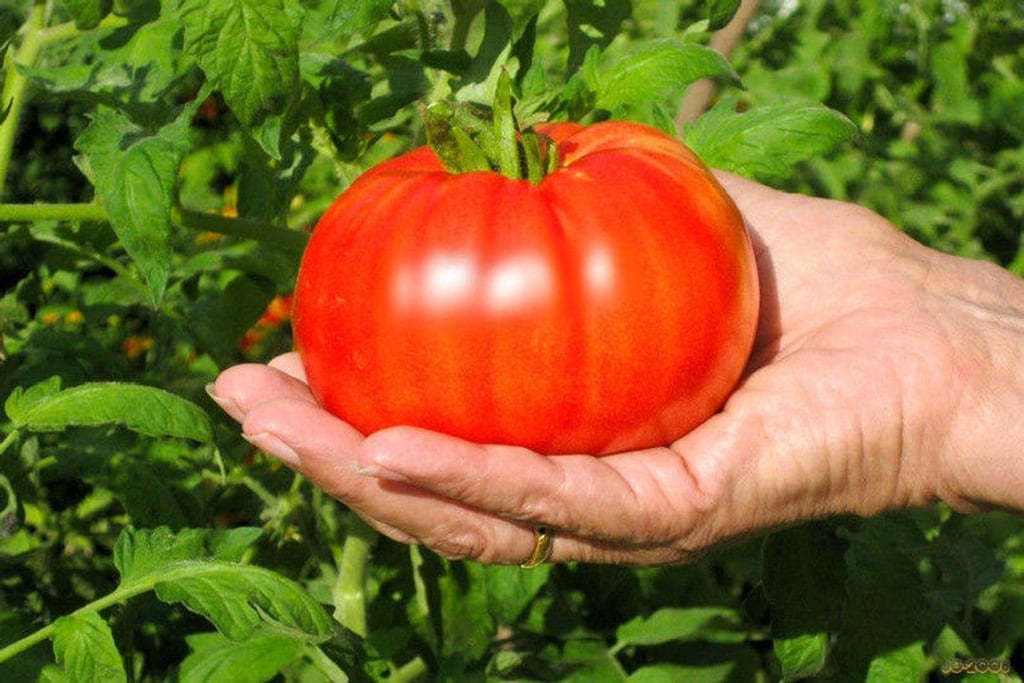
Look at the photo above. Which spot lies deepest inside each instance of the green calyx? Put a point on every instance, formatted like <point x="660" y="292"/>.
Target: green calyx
<point x="466" y="138"/>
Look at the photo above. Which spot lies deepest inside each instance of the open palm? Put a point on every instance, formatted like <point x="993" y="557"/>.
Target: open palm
<point x="871" y="361"/>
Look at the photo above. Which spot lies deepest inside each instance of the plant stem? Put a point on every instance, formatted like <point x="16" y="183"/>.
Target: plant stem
<point x="699" y="94"/>
<point x="279" y="238"/>
<point x="350" y="589"/>
<point x="410" y="671"/>
<point x="117" y="596"/>
<point x="8" y="440"/>
<point x="36" y="37"/>
<point x="28" y="213"/>
<point x="13" y="95"/>
<point x="466" y="138"/>
<point x="330" y="670"/>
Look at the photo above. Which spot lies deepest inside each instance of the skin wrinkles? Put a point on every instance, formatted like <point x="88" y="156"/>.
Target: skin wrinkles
<point x="885" y="375"/>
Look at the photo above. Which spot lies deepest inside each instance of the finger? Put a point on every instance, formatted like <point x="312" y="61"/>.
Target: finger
<point x="290" y="364"/>
<point x="641" y="499"/>
<point x="325" y="450"/>
<point x="239" y="389"/>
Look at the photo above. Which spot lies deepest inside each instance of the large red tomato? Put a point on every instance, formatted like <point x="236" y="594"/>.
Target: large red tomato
<point x="612" y="306"/>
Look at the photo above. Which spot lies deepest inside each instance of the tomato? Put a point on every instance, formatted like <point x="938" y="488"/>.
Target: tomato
<point x="611" y="306"/>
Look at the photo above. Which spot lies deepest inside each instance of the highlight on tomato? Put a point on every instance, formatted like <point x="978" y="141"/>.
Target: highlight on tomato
<point x="584" y="289"/>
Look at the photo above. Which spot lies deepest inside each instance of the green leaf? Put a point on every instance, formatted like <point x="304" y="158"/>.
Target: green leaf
<point x="804" y="575"/>
<point x="146" y="410"/>
<point x="466" y="626"/>
<point x="510" y="589"/>
<point x="197" y="568"/>
<point x="22" y="400"/>
<point x="491" y="61"/>
<point x="238" y="598"/>
<point x="450" y="606"/>
<point x="248" y="50"/>
<point x="223" y="313"/>
<point x="803" y="655"/>
<point x="719" y="672"/>
<point x="522" y="12"/>
<point x="656" y="69"/>
<point x="84" y="646"/>
<point x="88" y="13"/>
<point x="712" y="624"/>
<point x="721" y="12"/>
<point x="768" y="141"/>
<point x="593" y="24"/>
<point x="967" y="566"/>
<point x="953" y="99"/>
<point x="140" y="553"/>
<point x="140" y="69"/>
<point x="908" y="663"/>
<point x="888" y="608"/>
<point x="135" y="172"/>
<point x="148" y="493"/>
<point x="253" y="660"/>
<point x="344" y="17"/>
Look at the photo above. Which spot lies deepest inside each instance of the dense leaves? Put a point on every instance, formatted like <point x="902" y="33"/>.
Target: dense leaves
<point x="161" y="163"/>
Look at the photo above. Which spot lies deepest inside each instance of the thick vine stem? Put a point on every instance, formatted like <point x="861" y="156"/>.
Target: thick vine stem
<point x="35" y="36"/>
<point x="270" y="235"/>
<point x="466" y="138"/>
<point x="350" y="589"/>
<point x="12" y="98"/>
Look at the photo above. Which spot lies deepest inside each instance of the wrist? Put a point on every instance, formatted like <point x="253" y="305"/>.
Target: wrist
<point x="979" y="459"/>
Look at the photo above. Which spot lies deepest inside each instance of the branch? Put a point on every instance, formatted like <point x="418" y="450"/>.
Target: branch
<point x="699" y="94"/>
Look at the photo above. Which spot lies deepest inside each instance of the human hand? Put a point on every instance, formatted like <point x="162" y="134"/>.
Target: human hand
<point x="884" y="375"/>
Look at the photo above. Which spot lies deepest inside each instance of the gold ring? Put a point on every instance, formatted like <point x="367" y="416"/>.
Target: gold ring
<point x="541" y="548"/>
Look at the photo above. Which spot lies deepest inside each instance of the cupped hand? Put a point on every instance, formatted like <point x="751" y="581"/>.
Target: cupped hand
<point x="878" y="381"/>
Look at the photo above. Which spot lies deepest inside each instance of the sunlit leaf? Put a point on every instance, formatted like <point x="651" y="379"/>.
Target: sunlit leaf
<point x="768" y="141"/>
<point x="84" y="645"/>
<point x="146" y="410"/>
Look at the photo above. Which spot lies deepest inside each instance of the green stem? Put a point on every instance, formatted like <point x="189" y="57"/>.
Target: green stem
<point x="280" y="238"/>
<point x="465" y="139"/>
<point x="13" y="95"/>
<point x="460" y="29"/>
<point x="268" y="499"/>
<point x="410" y="671"/>
<point x="29" y="213"/>
<point x="8" y="440"/>
<point x="330" y="670"/>
<point x="350" y="589"/>
<point x="37" y="36"/>
<point x="118" y="596"/>
<point x="271" y="236"/>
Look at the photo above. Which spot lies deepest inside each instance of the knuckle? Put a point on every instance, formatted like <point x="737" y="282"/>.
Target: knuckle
<point x="463" y="543"/>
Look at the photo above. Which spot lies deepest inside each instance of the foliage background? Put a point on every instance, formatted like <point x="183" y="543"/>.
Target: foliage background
<point x="156" y="191"/>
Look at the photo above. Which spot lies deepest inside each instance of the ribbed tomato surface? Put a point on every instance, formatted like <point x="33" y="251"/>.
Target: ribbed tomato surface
<point x="612" y="306"/>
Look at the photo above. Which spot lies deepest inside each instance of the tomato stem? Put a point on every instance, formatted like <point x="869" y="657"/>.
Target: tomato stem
<point x="14" y="94"/>
<point x="350" y="588"/>
<point x="15" y="83"/>
<point x="466" y="138"/>
<point x="278" y="237"/>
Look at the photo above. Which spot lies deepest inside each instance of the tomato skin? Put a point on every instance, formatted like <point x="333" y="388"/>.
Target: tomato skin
<point x="610" y="307"/>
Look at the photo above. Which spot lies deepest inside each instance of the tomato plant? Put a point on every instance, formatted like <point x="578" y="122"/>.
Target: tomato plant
<point x="155" y="192"/>
<point x="610" y="306"/>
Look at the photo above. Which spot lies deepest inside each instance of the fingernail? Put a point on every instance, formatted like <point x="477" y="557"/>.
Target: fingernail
<point x="228" y="405"/>
<point x="375" y="470"/>
<point x="271" y="444"/>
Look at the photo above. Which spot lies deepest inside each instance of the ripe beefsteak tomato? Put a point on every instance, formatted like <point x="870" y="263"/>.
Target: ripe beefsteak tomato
<point x="611" y="306"/>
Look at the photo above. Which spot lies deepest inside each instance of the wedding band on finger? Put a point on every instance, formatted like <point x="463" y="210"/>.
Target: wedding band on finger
<point x="541" y="548"/>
